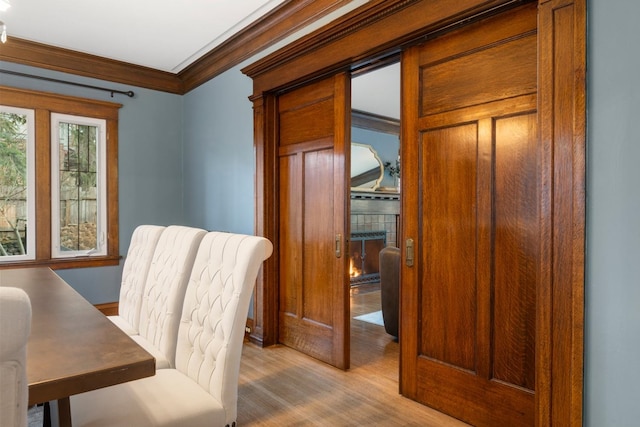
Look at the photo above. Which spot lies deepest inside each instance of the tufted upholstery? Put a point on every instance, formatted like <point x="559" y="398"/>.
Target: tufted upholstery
<point x="203" y="388"/>
<point x="164" y="292"/>
<point x="134" y="275"/>
<point x="215" y="311"/>
<point x="15" y="325"/>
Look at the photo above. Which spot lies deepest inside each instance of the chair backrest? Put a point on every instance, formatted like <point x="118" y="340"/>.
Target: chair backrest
<point x="215" y="311"/>
<point x="390" y="288"/>
<point x="15" y="325"/>
<point x="166" y="285"/>
<point x="134" y="272"/>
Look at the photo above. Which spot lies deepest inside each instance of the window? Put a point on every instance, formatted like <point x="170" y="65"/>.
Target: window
<point x="17" y="184"/>
<point x="58" y="180"/>
<point x="77" y="186"/>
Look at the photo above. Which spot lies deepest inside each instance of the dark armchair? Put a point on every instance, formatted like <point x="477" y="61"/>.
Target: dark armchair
<point x="390" y="288"/>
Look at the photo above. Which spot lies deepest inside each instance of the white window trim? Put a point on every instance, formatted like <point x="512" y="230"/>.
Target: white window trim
<point x="101" y="226"/>
<point x="31" y="184"/>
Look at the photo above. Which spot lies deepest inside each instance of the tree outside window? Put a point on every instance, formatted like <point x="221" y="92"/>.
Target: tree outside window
<point x="16" y="142"/>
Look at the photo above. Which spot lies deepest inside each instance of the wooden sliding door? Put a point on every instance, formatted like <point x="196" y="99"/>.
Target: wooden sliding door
<point x="313" y="150"/>
<point x="472" y="228"/>
<point x="492" y="305"/>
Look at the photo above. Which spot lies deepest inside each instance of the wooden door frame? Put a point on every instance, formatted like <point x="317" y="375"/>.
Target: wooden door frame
<point x="383" y="27"/>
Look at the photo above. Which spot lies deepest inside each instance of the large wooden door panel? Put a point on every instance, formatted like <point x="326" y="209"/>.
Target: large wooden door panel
<point x="313" y="275"/>
<point x="470" y="349"/>
<point x="479" y="260"/>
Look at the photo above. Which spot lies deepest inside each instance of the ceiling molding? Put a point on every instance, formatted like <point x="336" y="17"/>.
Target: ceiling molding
<point x="375" y="122"/>
<point x="69" y="61"/>
<point x="270" y="29"/>
<point x="273" y="27"/>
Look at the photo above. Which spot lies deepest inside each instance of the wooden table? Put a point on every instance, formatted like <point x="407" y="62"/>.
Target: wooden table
<point x="73" y="347"/>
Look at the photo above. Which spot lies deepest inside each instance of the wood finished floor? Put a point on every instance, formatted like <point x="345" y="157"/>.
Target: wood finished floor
<point x="281" y="387"/>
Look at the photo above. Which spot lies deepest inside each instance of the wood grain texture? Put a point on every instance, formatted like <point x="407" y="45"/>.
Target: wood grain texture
<point x="280" y="386"/>
<point x="385" y="25"/>
<point x="560" y="324"/>
<point x="312" y="206"/>
<point x="73" y="347"/>
<point x="266" y="219"/>
<point x="68" y="61"/>
<point x="516" y="248"/>
<point x="454" y="83"/>
<point x="477" y="229"/>
<point x="448" y="193"/>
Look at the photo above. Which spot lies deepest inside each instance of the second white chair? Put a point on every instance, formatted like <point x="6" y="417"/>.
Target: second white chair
<point x="164" y="292"/>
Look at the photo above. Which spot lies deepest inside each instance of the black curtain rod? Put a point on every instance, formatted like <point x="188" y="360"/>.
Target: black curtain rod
<point x="112" y="91"/>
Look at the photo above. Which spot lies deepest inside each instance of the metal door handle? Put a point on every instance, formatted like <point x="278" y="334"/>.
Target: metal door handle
<point x="409" y="256"/>
<point x="338" y="245"/>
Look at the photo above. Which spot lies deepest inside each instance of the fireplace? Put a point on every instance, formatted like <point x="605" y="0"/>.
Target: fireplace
<point x="364" y="250"/>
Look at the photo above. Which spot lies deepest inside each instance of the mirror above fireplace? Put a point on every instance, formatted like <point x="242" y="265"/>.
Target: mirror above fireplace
<point x="366" y="168"/>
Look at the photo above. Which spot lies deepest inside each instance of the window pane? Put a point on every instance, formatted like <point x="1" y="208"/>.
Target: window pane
<point x="16" y="182"/>
<point x="80" y="200"/>
<point x="78" y="187"/>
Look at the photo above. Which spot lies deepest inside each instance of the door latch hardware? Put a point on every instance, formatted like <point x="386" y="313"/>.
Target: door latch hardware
<point x="409" y="256"/>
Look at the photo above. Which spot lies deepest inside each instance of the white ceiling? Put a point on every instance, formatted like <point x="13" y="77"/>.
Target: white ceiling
<point x="169" y="35"/>
<point x="166" y="35"/>
<point x="378" y="91"/>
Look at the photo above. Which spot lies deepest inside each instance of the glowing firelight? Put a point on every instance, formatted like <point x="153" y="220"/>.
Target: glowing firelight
<point x="353" y="271"/>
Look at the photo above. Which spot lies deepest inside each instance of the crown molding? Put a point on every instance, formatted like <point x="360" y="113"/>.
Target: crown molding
<point x="273" y="27"/>
<point x="69" y="61"/>
<point x="283" y="21"/>
<point x="371" y="12"/>
<point x="375" y="122"/>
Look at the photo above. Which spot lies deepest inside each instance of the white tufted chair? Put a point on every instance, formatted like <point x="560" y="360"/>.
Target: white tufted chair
<point x="164" y="292"/>
<point x="134" y="275"/>
<point x="203" y="388"/>
<point x="15" y="325"/>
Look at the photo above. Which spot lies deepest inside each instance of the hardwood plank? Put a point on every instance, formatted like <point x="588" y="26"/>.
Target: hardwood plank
<point x="280" y="386"/>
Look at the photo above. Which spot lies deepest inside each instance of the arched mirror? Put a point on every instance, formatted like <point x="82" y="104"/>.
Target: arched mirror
<point x="366" y="167"/>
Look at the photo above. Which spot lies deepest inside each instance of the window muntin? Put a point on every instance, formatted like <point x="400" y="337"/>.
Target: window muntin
<point x="78" y="186"/>
<point x="17" y="184"/>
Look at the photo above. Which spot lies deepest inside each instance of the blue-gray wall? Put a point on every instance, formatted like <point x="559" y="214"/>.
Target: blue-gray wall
<point x="218" y="180"/>
<point x="612" y="330"/>
<point x="150" y="165"/>
<point x="218" y="154"/>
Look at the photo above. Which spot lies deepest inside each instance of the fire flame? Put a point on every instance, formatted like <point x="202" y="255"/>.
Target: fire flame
<point x="353" y="271"/>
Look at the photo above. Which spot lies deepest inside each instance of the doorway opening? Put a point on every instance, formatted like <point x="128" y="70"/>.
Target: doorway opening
<point x="374" y="209"/>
